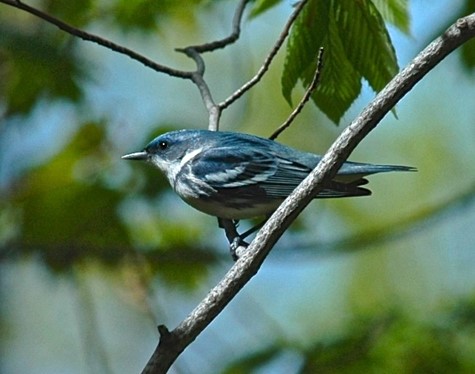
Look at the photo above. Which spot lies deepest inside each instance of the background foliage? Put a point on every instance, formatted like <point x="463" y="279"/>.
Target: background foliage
<point x="95" y="252"/>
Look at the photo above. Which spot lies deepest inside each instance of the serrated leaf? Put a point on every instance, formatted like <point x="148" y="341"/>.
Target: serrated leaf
<point x="366" y="41"/>
<point x="304" y="41"/>
<point x="356" y="44"/>
<point x="395" y="12"/>
<point x="340" y="83"/>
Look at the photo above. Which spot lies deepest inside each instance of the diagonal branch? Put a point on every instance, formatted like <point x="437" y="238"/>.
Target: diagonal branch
<point x="172" y="343"/>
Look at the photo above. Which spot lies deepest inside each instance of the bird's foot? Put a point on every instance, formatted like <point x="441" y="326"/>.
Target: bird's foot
<point x="236" y="247"/>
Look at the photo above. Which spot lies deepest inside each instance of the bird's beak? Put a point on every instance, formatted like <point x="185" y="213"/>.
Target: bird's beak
<point x="136" y="156"/>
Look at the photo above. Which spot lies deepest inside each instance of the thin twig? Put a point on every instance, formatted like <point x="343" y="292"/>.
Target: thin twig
<point x="214" y="112"/>
<point x="98" y="40"/>
<point x="235" y="33"/>
<point x="265" y="66"/>
<point x="194" y="52"/>
<point x="313" y="85"/>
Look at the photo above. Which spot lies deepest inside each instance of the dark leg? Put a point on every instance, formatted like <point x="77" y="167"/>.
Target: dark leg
<point x="235" y="240"/>
<point x="252" y="230"/>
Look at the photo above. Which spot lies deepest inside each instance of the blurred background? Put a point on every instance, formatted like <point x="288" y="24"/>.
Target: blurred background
<point x="97" y="251"/>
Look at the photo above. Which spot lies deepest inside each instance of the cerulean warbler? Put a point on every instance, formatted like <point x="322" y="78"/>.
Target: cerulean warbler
<point x="235" y="176"/>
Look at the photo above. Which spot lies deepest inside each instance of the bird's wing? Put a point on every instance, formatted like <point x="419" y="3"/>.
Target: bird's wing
<point x="244" y="168"/>
<point x="291" y="173"/>
<point x="233" y="167"/>
<point x="288" y="175"/>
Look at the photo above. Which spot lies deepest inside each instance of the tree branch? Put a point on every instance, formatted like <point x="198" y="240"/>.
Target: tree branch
<point x="174" y="342"/>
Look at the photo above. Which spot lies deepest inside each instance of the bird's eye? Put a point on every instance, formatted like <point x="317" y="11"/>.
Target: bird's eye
<point x="163" y="145"/>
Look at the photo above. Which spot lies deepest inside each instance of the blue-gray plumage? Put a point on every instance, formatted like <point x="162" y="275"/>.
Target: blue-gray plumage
<point x="235" y="176"/>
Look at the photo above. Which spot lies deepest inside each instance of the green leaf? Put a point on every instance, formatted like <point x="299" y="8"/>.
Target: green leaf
<point x="254" y="361"/>
<point x="468" y="49"/>
<point x="260" y="6"/>
<point x="356" y="45"/>
<point x="36" y="66"/>
<point x="71" y="222"/>
<point x="366" y="41"/>
<point x="304" y="41"/>
<point x="77" y="13"/>
<point x="340" y="84"/>
<point x="145" y="14"/>
<point x="395" y="12"/>
<point x="468" y="55"/>
<point x="66" y="208"/>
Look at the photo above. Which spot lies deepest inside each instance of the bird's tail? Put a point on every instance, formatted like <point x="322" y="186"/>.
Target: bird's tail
<point x="350" y="178"/>
<point x="337" y="189"/>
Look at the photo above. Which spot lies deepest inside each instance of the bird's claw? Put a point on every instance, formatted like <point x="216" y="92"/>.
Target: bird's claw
<point x="236" y="246"/>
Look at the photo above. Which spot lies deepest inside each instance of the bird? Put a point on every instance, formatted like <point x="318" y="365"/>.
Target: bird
<point x="236" y="176"/>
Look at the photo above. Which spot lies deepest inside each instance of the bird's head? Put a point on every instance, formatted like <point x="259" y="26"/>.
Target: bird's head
<point x="169" y="151"/>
